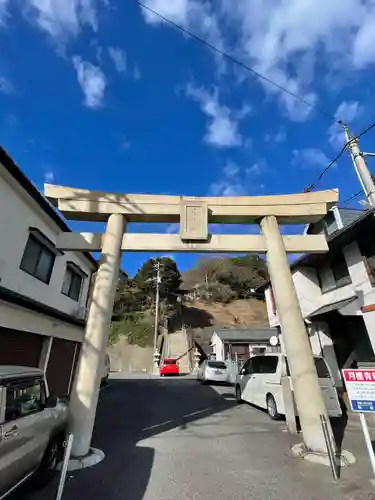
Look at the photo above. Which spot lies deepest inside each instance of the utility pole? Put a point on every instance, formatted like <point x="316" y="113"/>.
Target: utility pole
<point x="157" y="300"/>
<point x="362" y="171"/>
<point x="156" y="355"/>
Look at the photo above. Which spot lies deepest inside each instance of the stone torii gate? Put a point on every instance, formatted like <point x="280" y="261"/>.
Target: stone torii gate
<point x="194" y="214"/>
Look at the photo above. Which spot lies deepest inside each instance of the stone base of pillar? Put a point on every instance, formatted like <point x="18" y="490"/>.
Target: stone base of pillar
<point x="94" y="457"/>
<point x="300" y="451"/>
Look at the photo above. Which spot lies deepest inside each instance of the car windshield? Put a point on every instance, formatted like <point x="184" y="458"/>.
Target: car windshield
<point x="170" y="361"/>
<point x="217" y="364"/>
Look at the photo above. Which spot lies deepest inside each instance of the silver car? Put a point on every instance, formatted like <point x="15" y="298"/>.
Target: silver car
<point x="213" y="371"/>
<point x="32" y="428"/>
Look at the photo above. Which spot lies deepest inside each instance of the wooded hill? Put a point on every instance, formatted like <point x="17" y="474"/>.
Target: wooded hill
<point x="214" y="284"/>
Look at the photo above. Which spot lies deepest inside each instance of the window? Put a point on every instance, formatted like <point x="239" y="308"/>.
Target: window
<point x="333" y="273"/>
<point x="340" y="270"/>
<point x="37" y="259"/>
<point x="217" y="364"/>
<point x="72" y="282"/>
<point x="264" y="364"/>
<point x="24" y="398"/>
<point x="367" y="247"/>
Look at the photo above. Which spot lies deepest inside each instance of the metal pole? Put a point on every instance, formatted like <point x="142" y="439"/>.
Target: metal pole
<point x="361" y="168"/>
<point x="64" y="468"/>
<point x="366" y="433"/>
<point x="330" y="448"/>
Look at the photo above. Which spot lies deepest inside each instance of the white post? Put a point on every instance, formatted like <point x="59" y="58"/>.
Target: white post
<point x="307" y="392"/>
<point x="85" y="391"/>
<point x="366" y="433"/>
<point x="44" y="359"/>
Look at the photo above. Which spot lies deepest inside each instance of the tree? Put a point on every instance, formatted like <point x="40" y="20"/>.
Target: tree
<point x="169" y="273"/>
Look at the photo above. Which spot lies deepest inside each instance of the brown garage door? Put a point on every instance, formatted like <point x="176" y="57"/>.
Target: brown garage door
<point x="19" y="348"/>
<point x="63" y="357"/>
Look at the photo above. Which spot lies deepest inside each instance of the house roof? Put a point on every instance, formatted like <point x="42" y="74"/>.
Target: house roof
<point x="336" y="239"/>
<point x="246" y="335"/>
<point x="29" y="187"/>
<point x="334" y="306"/>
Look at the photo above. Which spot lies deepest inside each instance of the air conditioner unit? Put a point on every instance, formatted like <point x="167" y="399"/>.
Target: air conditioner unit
<point x="81" y="312"/>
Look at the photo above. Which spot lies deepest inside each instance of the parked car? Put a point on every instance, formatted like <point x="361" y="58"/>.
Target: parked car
<point x="169" y="366"/>
<point x="259" y="383"/>
<point x="213" y="371"/>
<point x="106" y="370"/>
<point x="32" y="428"/>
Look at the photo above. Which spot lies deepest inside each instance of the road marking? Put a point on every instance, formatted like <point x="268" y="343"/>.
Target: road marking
<point x="157" y="425"/>
<point x="196" y="412"/>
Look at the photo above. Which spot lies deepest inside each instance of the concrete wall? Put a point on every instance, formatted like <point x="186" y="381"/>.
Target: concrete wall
<point x="19" y="318"/>
<point x="18" y="212"/>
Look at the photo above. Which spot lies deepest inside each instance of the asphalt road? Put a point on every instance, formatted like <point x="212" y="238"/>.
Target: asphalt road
<point x="174" y="439"/>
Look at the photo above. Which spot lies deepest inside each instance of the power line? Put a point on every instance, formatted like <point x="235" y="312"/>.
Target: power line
<point x="235" y="60"/>
<point x="351" y="197"/>
<point x="319" y="178"/>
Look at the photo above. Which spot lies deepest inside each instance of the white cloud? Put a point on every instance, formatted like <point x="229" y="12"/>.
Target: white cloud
<point x="125" y="144"/>
<point x="137" y="73"/>
<point x="49" y="177"/>
<point x="222" y="127"/>
<point x="6" y="86"/>
<point x="230" y="181"/>
<point x="347" y="112"/>
<point x="173" y="228"/>
<point x="309" y="157"/>
<point x="226" y="188"/>
<point x="118" y="57"/>
<point x="92" y="81"/>
<point x="277" y="138"/>
<point x="63" y="18"/>
<point x="286" y="41"/>
<point x="258" y="168"/>
<point x="3" y="11"/>
<point x="231" y="169"/>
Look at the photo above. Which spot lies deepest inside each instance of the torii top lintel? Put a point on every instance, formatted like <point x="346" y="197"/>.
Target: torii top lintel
<point x="86" y="205"/>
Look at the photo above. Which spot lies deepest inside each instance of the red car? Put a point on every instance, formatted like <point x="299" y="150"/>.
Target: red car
<point x="169" y="366"/>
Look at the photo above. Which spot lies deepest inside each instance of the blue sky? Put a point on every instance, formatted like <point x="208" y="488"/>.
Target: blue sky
<point x="104" y="95"/>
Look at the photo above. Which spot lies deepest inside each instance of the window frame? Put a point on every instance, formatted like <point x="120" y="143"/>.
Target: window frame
<point x="76" y="272"/>
<point x="44" y="247"/>
<point x="24" y="383"/>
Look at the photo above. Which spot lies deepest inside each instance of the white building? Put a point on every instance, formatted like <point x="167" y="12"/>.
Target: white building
<point x="336" y="290"/>
<point x="240" y="344"/>
<point x="43" y="291"/>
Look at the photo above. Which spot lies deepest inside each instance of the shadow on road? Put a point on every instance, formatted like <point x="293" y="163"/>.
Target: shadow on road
<point x="130" y="411"/>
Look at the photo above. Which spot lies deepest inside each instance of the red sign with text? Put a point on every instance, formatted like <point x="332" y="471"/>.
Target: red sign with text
<point x="360" y="385"/>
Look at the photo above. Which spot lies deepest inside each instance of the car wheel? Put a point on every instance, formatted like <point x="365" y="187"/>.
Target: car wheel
<point x="51" y="458"/>
<point x="272" y="408"/>
<point x="238" y="394"/>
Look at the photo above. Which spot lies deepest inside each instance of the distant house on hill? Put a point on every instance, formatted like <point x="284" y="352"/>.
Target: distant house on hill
<point x="238" y="344"/>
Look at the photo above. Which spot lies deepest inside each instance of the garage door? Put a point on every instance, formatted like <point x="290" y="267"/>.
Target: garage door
<point x="61" y="366"/>
<point x="19" y="348"/>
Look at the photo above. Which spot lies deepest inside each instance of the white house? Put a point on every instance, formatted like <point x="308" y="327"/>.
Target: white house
<point x="336" y="290"/>
<point x="43" y="291"/>
<point x="240" y="344"/>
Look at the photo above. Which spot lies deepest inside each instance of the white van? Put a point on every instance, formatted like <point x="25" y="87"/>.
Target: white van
<point x="259" y="383"/>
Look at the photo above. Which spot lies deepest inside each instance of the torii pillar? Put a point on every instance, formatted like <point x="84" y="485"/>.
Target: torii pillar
<point x="84" y="397"/>
<point x="307" y="391"/>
